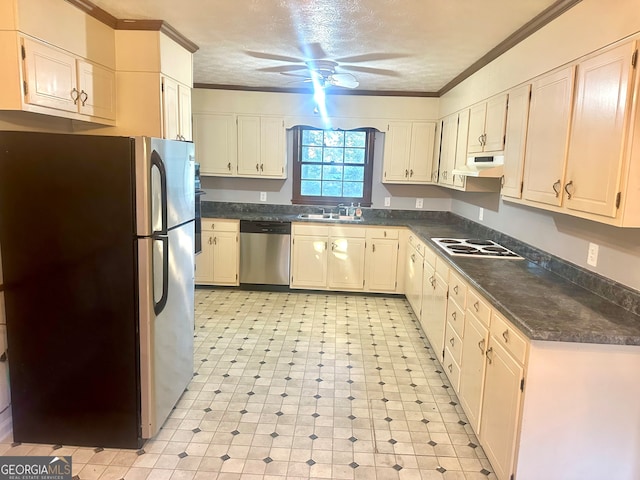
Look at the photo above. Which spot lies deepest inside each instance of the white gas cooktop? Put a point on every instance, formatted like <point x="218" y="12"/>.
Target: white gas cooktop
<point x="475" y="247"/>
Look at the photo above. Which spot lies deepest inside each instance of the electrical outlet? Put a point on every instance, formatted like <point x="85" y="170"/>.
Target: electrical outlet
<point x="263" y="196"/>
<point x="419" y="202"/>
<point x="592" y="255"/>
<point x="481" y="214"/>
<point x="387" y="201"/>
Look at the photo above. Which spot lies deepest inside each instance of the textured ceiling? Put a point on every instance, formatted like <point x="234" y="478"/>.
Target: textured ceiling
<point x="391" y="45"/>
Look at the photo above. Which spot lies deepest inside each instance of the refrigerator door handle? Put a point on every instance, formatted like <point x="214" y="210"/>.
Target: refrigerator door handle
<point x="162" y="302"/>
<point x="156" y="161"/>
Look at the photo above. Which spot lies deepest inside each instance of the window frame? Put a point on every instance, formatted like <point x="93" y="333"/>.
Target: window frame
<point x="298" y="199"/>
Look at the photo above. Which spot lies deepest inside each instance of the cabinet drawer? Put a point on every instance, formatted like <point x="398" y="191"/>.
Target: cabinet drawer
<point x="457" y="289"/>
<point x="375" y="232"/>
<point x="455" y="316"/>
<point x="453" y="343"/>
<point x="220" y="225"/>
<point x="507" y="336"/>
<point x="430" y="257"/>
<point x="310" y="229"/>
<point x="452" y="369"/>
<point x="347" y="231"/>
<point x="480" y="309"/>
<point x="416" y="243"/>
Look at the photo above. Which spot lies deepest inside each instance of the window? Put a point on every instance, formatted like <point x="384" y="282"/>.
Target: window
<point x="332" y="166"/>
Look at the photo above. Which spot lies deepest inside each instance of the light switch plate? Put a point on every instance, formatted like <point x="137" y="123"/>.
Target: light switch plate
<point x="419" y="202"/>
<point x="387" y="201"/>
<point x="263" y="196"/>
<point x="592" y="255"/>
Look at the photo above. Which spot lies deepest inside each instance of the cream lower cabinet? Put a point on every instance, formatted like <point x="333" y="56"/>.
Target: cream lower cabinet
<point x="219" y="261"/>
<point x="309" y="245"/>
<point x="454" y="329"/>
<point x="346" y="262"/>
<point x="434" y="301"/>
<point x="381" y="265"/>
<point x="502" y="400"/>
<point x="414" y="268"/>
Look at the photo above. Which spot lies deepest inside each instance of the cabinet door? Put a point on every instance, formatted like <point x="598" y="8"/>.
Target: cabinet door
<point x="272" y="147"/>
<point x="397" y="149"/>
<point x="421" y="159"/>
<point x="500" y="408"/>
<point x="97" y="87"/>
<point x="215" y="143"/>
<point x="184" y="112"/>
<point x="346" y="263"/>
<point x="434" y="310"/>
<point x="309" y="262"/>
<point x="225" y="258"/>
<point x="462" y="139"/>
<point x="516" y="133"/>
<point x="382" y="265"/>
<point x="170" y="110"/>
<point x="596" y="147"/>
<point x="435" y="167"/>
<point x="448" y="149"/>
<point x="51" y="77"/>
<point x="248" y="145"/>
<point x="477" y="116"/>
<point x="495" y="122"/>
<point x="204" y="261"/>
<point x="548" y="132"/>
<point x="474" y="345"/>
<point x="413" y="280"/>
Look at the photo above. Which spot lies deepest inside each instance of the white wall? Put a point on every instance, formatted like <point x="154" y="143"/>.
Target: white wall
<point x="345" y="112"/>
<point x="588" y="26"/>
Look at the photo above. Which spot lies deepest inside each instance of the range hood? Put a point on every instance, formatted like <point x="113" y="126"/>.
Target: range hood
<point x="488" y="167"/>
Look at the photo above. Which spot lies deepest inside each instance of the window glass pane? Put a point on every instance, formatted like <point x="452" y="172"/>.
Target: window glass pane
<point x="312" y="137"/>
<point x="332" y="189"/>
<point x="354" y="155"/>
<point x="355" y="139"/>
<point x="310" y="188"/>
<point x="331" y="172"/>
<point x="334" y="138"/>
<point x="353" y="189"/>
<point x="333" y="155"/>
<point x="353" y="174"/>
<point x="311" y="172"/>
<point x="312" y="154"/>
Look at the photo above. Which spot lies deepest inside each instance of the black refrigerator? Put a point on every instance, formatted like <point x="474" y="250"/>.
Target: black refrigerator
<point x="96" y="241"/>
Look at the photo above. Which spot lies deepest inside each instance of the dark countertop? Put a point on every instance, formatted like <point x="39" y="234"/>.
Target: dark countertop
<point x="543" y="305"/>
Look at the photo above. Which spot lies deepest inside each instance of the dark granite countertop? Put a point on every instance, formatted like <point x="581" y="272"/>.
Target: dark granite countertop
<point x="542" y="304"/>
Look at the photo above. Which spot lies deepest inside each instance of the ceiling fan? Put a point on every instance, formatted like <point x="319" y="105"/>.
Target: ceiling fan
<point x="324" y="71"/>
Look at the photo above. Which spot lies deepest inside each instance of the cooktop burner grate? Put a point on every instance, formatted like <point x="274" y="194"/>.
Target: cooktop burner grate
<point x="474" y="247"/>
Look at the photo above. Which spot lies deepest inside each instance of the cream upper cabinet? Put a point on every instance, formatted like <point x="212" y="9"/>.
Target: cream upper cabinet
<point x="448" y="149"/>
<point x="516" y="137"/>
<point x="261" y="146"/>
<point x="59" y="80"/>
<point x="176" y="110"/>
<point x="215" y="137"/>
<point x="381" y="265"/>
<point x="408" y="152"/>
<point x="487" y="125"/>
<point x="462" y="138"/>
<point x="604" y="92"/>
<point x="547" y="136"/>
<point x="219" y="261"/>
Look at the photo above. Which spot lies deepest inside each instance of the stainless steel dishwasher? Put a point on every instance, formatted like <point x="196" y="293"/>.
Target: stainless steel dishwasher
<point x="265" y="252"/>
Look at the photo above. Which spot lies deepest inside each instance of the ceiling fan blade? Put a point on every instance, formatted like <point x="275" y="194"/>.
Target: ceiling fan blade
<point x="375" y="71"/>
<point x="343" y="80"/>
<point x="312" y="51"/>
<point x="283" y="68"/>
<point x="270" y="56"/>
<point x="306" y="77"/>
<point x="370" y="57"/>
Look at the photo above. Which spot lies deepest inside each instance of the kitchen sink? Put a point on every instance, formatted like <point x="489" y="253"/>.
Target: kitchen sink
<point x="329" y="216"/>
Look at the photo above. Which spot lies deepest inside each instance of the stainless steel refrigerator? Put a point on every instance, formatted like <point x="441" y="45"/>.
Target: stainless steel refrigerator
<point x="97" y="240"/>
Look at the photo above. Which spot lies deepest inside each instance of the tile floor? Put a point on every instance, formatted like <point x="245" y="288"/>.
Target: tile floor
<point x="297" y="385"/>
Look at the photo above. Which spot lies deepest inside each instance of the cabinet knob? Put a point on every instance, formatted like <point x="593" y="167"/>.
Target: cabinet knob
<point x="257" y="167"/>
<point x="411" y="172"/>
<point x="413" y="258"/>
<point x="450" y="367"/>
<point x="455" y="289"/>
<point x="373" y="247"/>
<point x="84" y="96"/>
<point x="452" y="341"/>
<point x="215" y="240"/>
<point x="477" y="306"/>
<point x="454" y="314"/>
<point x="556" y="188"/>
<point x="75" y="94"/>
<point x="406" y="173"/>
<point x="489" y="357"/>
<point x="481" y="346"/>
<point x="505" y="335"/>
<point x="385" y="233"/>
<point x="480" y="140"/>
<point x="566" y="189"/>
<point x="262" y="167"/>
<point x="229" y="166"/>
